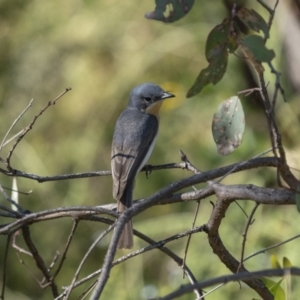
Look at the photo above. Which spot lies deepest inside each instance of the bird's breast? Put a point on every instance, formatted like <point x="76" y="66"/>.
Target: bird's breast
<point x="154" y="108"/>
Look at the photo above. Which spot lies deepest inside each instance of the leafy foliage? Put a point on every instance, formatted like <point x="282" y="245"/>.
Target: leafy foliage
<point x="225" y="38"/>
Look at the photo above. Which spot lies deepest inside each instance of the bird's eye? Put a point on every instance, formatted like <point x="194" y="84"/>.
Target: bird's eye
<point x="147" y="99"/>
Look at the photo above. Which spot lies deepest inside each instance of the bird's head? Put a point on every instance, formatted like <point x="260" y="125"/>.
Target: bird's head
<point x="148" y="97"/>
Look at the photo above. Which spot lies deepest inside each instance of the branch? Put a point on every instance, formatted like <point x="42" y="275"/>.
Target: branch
<point x="74" y="212"/>
<point x="14" y="123"/>
<point x="38" y="260"/>
<point x="249" y="222"/>
<point x="29" y="127"/>
<point x="4" y="264"/>
<point x="160" y="245"/>
<point x="101" y="236"/>
<point x="272" y="247"/>
<point x="64" y="256"/>
<point x="158" y="197"/>
<point x="232" y="278"/>
<point x="219" y="249"/>
<point x="249" y="164"/>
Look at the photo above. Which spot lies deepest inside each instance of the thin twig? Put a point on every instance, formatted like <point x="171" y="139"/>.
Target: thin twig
<point x="38" y="259"/>
<point x="18" y="248"/>
<point x="277" y="85"/>
<point x="249" y="91"/>
<point x="15" y="122"/>
<point x="192" y="168"/>
<point x="19" y="192"/>
<point x="32" y="275"/>
<point x="266" y="6"/>
<point x="4" y="264"/>
<point x="52" y="264"/>
<point x="249" y="222"/>
<point x="75" y="277"/>
<point x="13" y="213"/>
<point x="12" y="138"/>
<point x="30" y="126"/>
<point x="11" y="201"/>
<point x="64" y="255"/>
<point x="271" y="247"/>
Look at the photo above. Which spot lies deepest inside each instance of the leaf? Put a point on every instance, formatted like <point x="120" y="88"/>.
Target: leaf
<point x="286" y="263"/>
<point x="298" y="198"/>
<point x="176" y="10"/>
<point x="228" y="125"/>
<point x="274" y="262"/>
<point x="253" y="20"/>
<point x="217" y="40"/>
<point x="256" y="64"/>
<point x="275" y="288"/>
<point x="256" y="45"/>
<point x="221" y="37"/>
<point x="212" y="74"/>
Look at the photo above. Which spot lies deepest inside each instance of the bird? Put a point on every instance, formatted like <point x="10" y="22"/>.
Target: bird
<point x="133" y="141"/>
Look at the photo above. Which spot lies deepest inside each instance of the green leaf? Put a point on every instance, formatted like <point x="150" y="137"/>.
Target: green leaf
<point x="256" y="45"/>
<point x="212" y="74"/>
<point x="221" y="37"/>
<point x="169" y="11"/>
<point x="228" y="125"/>
<point x="286" y="263"/>
<point x="298" y="198"/>
<point x="256" y="64"/>
<point x="275" y="288"/>
<point x="253" y="20"/>
<point x="274" y="262"/>
<point x="216" y="40"/>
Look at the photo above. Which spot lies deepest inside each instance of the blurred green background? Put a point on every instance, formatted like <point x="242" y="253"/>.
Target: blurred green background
<point x="102" y="49"/>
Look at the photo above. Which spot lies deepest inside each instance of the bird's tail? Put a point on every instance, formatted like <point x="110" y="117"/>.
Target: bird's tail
<point x="126" y="238"/>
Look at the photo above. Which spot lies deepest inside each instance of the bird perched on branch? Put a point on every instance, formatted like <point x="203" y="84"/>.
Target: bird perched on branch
<point x="133" y="141"/>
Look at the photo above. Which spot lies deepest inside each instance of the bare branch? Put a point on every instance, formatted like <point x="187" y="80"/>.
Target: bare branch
<point x="231" y="278"/>
<point x="15" y="122"/>
<point x="249" y="222"/>
<point x="220" y="250"/>
<point x="39" y="260"/>
<point x="153" y="245"/>
<point x="29" y="127"/>
<point x="64" y="255"/>
<point x="5" y="256"/>
<point x="11" y="201"/>
<point x="74" y="212"/>
<point x="101" y="236"/>
<point x="272" y="247"/>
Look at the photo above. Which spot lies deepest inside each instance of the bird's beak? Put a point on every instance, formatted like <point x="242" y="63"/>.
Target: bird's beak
<point x="167" y="95"/>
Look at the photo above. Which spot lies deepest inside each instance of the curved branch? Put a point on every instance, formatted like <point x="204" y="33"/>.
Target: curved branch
<point x="220" y="250"/>
<point x="231" y="278"/>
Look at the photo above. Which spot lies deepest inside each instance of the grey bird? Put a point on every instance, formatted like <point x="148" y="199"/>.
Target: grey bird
<point x="133" y="141"/>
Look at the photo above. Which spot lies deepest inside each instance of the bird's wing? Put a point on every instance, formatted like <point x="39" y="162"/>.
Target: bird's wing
<point x="129" y="149"/>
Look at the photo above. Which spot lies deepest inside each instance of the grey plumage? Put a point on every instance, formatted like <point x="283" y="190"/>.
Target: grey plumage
<point x="134" y="136"/>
